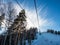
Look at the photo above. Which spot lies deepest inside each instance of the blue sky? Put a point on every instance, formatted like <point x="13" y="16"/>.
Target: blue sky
<point x="48" y="12"/>
<point x="54" y="11"/>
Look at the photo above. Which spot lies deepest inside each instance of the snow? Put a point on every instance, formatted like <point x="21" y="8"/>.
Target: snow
<point x="47" y="39"/>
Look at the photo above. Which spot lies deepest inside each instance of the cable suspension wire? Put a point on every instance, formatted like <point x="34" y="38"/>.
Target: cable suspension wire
<point x="36" y="13"/>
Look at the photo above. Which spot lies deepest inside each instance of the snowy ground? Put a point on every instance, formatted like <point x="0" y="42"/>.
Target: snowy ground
<point x="47" y="39"/>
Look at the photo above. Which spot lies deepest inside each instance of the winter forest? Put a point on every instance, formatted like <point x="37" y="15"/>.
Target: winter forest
<point x="29" y="22"/>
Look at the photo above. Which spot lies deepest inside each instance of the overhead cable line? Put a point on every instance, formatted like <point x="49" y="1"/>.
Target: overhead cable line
<point x="36" y="13"/>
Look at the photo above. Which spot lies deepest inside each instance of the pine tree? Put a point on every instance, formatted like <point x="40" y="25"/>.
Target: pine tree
<point x="22" y="26"/>
<point x="19" y="26"/>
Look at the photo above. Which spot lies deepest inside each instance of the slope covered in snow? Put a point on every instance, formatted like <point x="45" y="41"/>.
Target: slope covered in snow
<point x="47" y="39"/>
